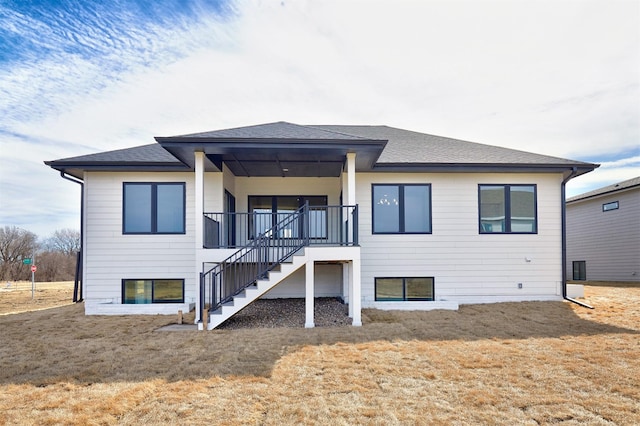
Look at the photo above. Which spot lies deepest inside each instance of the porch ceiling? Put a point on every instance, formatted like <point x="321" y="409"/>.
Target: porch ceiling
<point x="269" y="163"/>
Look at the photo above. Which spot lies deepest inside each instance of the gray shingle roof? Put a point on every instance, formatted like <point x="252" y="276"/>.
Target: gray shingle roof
<point x="279" y="130"/>
<point x="402" y="148"/>
<point x="607" y="189"/>
<point x="150" y="154"/>
<point x="407" y="147"/>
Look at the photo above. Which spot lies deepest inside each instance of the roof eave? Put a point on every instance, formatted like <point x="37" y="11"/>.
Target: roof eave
<point x="578" y="198"/>
<point x="77" y="169"/>
<point x="484" y="167"/>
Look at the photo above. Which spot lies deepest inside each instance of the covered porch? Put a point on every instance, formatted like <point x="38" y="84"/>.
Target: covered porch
<point x="267" y="207"/>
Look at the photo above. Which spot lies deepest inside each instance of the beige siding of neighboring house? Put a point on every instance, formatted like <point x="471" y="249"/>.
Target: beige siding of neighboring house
<point x="111" y="256"/>
<point x="609" y="242"/>
<point x="467" y="267"/>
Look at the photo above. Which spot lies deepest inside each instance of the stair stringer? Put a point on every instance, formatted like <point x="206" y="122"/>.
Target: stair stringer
<point x="254" y="292"/>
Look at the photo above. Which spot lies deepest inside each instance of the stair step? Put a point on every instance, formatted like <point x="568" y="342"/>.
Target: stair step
<point x="257" y="289"/>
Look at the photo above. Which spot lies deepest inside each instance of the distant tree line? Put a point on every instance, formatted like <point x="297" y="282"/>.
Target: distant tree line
<point x="55" y="256"/>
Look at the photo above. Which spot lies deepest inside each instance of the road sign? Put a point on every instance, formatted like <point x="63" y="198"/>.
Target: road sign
<point x="34" y="268"/>
<point x="26" y="261"/>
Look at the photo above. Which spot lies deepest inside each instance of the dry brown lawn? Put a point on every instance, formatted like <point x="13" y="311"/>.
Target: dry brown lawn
<point x="17" y="297"/>
<point x="507" y="363"/>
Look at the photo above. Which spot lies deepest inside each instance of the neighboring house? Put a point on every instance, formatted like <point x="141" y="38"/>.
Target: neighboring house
<point x="603" y="233"/>
<point x="378" y="216"/>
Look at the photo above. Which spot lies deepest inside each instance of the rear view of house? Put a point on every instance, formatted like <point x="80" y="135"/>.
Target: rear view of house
<point x="377" y="216"/>
<point x="603" y="233"/>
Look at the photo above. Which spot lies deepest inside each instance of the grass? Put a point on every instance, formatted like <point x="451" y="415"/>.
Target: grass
<point x="507" y="363"/>
<point x="16" y="297"/>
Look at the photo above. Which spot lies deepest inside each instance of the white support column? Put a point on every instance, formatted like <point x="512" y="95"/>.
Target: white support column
<point x="355" y="291"/>
<point x="351" y="178"/>
<point x="199" y="224"/>
<point x="309" y="294"/>
<point x="199" y="197"/>
<point x="345" y="283"/>
<point x="355" y="302"/>
<point x="348" y="277"/>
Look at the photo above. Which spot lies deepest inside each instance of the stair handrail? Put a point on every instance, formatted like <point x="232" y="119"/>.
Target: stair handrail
<point x="258" y="252"/>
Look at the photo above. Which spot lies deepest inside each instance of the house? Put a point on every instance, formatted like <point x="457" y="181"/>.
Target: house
<point x="603" y="233"/>
<point x="378" y="216"/>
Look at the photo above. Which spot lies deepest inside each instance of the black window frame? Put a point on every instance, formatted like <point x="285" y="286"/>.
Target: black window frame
<point x="404" y="290"/>
<point x="506" y="187"/>
<point x="154" y="208"/>
<point x="401" y="209"/>
<point x="251" y="227"/>
<point x="579" y="270"/>
<point x="153" y="283"/>
<point x="615" y="205"/>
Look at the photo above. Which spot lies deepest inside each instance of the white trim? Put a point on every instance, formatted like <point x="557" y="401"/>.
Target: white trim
<point x="110" y="308"/>
<point x="414" y="306"/>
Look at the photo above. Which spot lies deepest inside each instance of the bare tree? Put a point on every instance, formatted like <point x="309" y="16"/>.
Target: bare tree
<point x="16" y="244"/>
<point x="55" y="266"/>
<point x="65" y="241"/>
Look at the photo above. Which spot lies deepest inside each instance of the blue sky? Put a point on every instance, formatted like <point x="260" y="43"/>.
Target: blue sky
<point x="555" y="77"/>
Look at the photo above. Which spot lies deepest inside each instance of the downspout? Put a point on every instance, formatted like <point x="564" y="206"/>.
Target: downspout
<point x="79" y="182"/>
<point x="574" y="172"/>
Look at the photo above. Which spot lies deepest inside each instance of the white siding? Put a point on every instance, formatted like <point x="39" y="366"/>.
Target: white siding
<point x="111" y="256"/>
<point x="327" y="283"/>
<point x="609" y="242"/>
<point x="468" y="267"/>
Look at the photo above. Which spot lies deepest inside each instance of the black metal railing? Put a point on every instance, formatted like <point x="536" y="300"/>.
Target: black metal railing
<point x="253" y="261"/>
<point x="327" y="225"/>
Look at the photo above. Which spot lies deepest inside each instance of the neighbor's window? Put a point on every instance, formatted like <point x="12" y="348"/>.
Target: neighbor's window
<point x="579" y="270"/>
<point x="610" y="206"/>
<point x="152" y="291"/>
<point x="507" y="209"/>
<point x="394" y="289"/>
<point x="153" y="208"/>
<point x="401" y="209"/>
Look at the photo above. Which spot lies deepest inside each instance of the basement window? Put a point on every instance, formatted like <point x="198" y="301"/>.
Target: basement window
<point x="404" y="289"/>
<point x="152" y="291"/>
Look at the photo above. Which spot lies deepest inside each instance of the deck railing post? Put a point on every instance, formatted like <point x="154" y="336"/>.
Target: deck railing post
<point x="306" y="223"/>
<point x="354" y="215"/>
<point x="202" y="297"/>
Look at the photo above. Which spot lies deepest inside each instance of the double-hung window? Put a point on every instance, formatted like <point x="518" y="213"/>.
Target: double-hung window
<point x="507" y="209"/>
<point x="153" y="208"/>
<point x="401" y="208"/>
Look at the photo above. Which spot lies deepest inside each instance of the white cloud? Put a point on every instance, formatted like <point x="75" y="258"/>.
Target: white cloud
<point x="609" y="173"/>
<point x="559" y="78"/>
